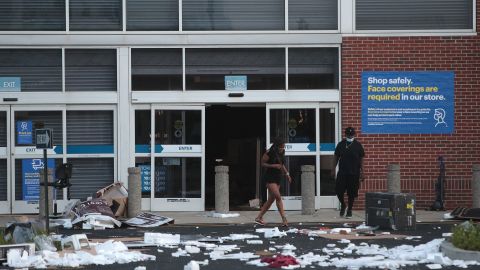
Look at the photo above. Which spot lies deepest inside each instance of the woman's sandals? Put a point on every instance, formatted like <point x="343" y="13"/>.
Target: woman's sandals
<point x="284" y="221"/>
<point x="260" y="221"/>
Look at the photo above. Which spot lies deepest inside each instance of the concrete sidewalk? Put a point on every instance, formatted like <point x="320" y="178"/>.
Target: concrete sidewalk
<point x="320" y="216"/>
<point x="246" y="217"/>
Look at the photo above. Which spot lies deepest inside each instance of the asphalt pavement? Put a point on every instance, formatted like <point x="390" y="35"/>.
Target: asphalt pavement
<point x="430" y="225"/>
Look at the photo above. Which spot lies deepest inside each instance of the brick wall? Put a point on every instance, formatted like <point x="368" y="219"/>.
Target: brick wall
<point x="417" y="154"/>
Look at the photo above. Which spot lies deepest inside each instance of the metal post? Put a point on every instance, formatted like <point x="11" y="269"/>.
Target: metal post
<point x="134" y="192"/>
<point x="221" y="189"/>
<point x="45" y="181"/>
<point x="393" y="178"/>
<point x="476" y="186"/>
<point x="45" y="201"/>
<point x="308" y="189"/>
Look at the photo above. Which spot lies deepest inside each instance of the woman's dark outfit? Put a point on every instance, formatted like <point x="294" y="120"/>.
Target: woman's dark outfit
<point x="273" y="175"/>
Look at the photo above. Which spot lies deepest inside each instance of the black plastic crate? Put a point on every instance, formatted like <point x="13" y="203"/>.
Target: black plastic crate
<point x="395" y="211"/>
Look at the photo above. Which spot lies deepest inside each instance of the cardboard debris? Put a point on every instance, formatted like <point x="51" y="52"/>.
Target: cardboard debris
<point x="116" y="196"/>
<point x="147" y="220"/>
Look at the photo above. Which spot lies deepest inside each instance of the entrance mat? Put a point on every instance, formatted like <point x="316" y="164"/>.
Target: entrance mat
<point x="361" y="237"/>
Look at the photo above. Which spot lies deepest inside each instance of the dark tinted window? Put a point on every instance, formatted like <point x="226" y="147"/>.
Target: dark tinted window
<point x="233" y="15"/>
<point x="95" y="15"/>
<point x="32" y="15"/>
<point x="156" y="69"/>
<point x="91" y="70"/>
<point x="264" y="68"/>
<point x="313" y="68"/>
<point x="413" y="14"/>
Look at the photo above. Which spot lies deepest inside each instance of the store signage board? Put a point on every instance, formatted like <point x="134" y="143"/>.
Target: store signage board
<point x="408" y="102"/>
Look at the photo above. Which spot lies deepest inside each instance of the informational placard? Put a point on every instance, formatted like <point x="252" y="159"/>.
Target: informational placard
<point x="146" y="176"/>
<point x="408" y="102"/>
<point x="24" y="132"/>
<point x="43" y="138"/>
<point x="236" y="83"/>
<point x="31" y="169"/>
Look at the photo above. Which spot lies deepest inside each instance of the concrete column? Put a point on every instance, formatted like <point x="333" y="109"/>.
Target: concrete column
<point x="308" y="189"/>
<point x="476" y="186"/>
<point x="134" y="192"/>
<point x="221" y="189"/>
<point x="393" y="178"/>
<point x="125" y="117"/>
<point x="41" y="203"/>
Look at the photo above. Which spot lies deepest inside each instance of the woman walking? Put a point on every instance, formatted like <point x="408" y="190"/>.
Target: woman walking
<point x="273" y="161"/>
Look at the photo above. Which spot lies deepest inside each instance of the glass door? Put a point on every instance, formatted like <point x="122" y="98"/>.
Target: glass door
<point x="5" y="197"/>
<point x="309" y="130"/>
<point x="171" y="158"/>
<point x="26" y="161"/>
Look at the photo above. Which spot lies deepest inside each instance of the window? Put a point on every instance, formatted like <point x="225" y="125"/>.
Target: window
<point x="413" y="14"/>
<point x="95" y="15"/>
<point x="313" y="68"/>
<point x="32" y="15"/>
<point x="206" y="68"/>
<point x="156" y="69"/>
<point x="89" y="132"/>
<point x="313" y="15"/>
<point x="294" y="125"/>
<point x="178" y="127"/>
<point x="233" y="15"/>
<point x="89" y="175"/>
<point x="45" y="119"/>
<point x="39" y="70"/>
<point x="91" y="70"/>
<point x="147" y="15"/>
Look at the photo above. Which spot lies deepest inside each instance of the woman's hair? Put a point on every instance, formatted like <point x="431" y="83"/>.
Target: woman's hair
<point x="277" y="141"/>
<point x="275" y="151"/>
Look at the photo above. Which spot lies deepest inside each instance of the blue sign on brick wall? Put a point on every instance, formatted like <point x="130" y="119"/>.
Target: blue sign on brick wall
<point x="408" y="102"/>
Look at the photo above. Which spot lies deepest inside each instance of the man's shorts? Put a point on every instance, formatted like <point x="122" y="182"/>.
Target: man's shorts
<point x="349" y="183"/>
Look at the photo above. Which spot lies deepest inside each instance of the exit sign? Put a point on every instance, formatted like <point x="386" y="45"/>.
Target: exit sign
<point x="10" y="84"/>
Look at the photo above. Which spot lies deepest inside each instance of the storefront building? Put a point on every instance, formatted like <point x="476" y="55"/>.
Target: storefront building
<point x="176" y="87"/>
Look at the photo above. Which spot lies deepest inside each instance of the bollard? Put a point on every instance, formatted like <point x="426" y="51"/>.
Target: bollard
<point x="308" y="189"/>
<point x="221" y="189"/>
<point x="393" y="178"/>
<point x="476" y="186"/>
<point x="41" y="202"/>
<point x="134" y="192"/>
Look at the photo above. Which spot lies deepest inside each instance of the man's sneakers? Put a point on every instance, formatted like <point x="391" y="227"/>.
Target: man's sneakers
<point x="342" y="210"/>
<point x="349" y="214"/>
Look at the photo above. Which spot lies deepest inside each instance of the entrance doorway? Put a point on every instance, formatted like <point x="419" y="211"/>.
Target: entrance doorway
<point x="235" y="137"/>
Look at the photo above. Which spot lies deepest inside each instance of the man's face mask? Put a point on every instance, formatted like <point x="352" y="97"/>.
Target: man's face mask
<point x="350" y="139"/>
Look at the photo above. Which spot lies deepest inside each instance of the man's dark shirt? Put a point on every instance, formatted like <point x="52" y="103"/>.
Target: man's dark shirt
<point x="350" y="155"/>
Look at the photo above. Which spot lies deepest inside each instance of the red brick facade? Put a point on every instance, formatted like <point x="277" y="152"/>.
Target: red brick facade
<point x="417" y="154"/>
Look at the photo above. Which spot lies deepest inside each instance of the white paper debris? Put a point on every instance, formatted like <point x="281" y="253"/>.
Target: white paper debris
<point x="140" y="268"/>
<point x="271" y="233"/>
<point x="235" y="237"/>
<point x="161" y="238"/>
<point x="117" y="254"/>
<point x="255" y="242"/>
<point x="192" y="265"/>
<point x="434" y="266"/>
<point x="220" y="215"/>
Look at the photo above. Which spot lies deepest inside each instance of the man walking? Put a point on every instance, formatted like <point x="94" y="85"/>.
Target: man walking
<point x="349" y="155"/>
